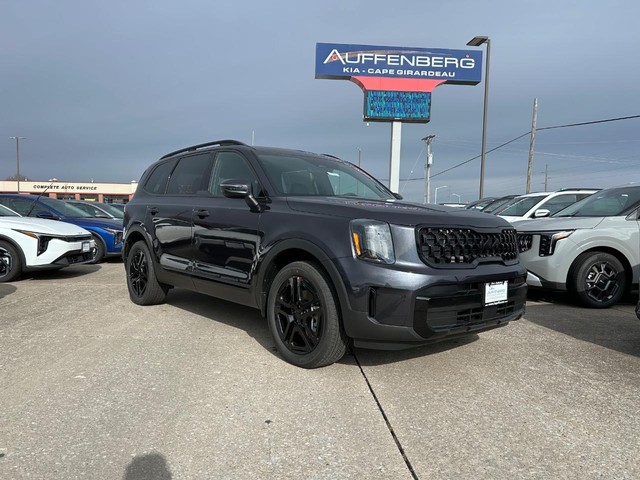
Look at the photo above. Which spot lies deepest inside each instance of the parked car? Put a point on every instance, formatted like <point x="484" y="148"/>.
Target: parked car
<point x="541" y="204"/>
<point x="591" y="248"/>
<point x="498" y="204"/>
<point x="479" y="204"/>
<point x="328" y="254"/>
<point x="107" y="232"/>
<point x="29" y="244"/>
<point x="98" y="210"/>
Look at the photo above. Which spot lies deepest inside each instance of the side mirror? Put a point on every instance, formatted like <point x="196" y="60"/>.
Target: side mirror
<point x="46" y="214"/>
<point x="235" y="188"/>
<point x="542" y="212"/>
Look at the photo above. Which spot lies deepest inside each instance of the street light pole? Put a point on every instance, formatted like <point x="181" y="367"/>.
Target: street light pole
<point x="438" y="188"/>
<point x="476" y="42"/>
<point x="17" y="139"/>
<point x="427" y="169"/>
<point x="359" y="154"/>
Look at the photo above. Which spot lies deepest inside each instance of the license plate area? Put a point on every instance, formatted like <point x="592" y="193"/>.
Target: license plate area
<point x="495" y="293"/>
<point x="86" y="246"/>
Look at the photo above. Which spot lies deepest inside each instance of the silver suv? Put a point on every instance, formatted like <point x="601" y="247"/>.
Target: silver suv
<point x="591" y="248"/>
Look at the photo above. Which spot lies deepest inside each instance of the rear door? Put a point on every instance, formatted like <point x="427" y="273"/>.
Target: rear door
<point x="168" y="215"/>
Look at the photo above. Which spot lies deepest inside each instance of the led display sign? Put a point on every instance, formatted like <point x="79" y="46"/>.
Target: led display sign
<point x="390" y="106"/>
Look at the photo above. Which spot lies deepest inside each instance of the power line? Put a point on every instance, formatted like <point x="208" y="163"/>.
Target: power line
<point x="537" y="129"/>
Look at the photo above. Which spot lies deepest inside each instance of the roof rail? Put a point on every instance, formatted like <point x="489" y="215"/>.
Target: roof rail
<point x="203" y="145"/>
<point x="579" y="188"/>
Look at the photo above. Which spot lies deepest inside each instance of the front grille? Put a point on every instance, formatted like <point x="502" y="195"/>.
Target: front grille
<point x="525" y="240"/>
<point x="75" y="238"/>
<point x="80" y="258"/>
<point x="444" y="246"/>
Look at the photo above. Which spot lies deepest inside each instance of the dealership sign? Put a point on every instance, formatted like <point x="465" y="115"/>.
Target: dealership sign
<point x="397" y="81"/>
<point x="340" y="61"/>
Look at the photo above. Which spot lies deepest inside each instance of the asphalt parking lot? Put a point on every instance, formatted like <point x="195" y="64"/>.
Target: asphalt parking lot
<point x="94" y="386"/>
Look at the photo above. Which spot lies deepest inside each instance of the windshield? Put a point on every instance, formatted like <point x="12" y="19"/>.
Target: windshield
<point x="606" y="203"/>
<point x="520" y="206"/>
<point x="64" y="208"/>
<point x="115" y="211"/>
<point x="314" y="175"/>
<point x="497" y="204"/>
<point x="7" y="212"/>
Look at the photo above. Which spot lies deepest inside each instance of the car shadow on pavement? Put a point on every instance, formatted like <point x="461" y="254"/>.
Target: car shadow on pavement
<point x="231" y="314"/>
<point x="615" y="328"/>
<point x="368" y="358"/>
<point x="61" y="274"/>
<point x="250" y="320"/>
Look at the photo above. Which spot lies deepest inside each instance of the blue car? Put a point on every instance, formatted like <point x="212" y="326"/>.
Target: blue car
<point x="106" y="232"/>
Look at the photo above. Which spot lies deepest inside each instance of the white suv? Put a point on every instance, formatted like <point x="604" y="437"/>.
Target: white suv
<point x="28" y="243"/>
<point x="542" y="204"/>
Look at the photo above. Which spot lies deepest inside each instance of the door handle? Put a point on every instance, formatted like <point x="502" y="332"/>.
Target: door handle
<point x="153" y="210"/>
<point x="202" y="213"/>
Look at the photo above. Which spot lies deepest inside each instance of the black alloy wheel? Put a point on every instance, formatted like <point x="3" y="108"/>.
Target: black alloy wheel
<point x="10" y="265"/>
<point x="303" y="317"/>
<point x="144" y="288"/>
<point x="599" y="279"/>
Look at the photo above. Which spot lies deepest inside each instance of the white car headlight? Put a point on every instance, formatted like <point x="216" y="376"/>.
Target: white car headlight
<point x="372" y="241"/>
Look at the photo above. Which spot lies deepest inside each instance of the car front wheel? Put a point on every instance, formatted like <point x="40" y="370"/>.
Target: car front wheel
<point x="144" y="288"/>
<point x="10" y="264"/>
<point x="598" y="279"/>
<point x="303" y="317"/>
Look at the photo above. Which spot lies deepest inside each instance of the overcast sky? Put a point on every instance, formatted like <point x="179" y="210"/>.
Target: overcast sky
<point x="101" y="90"/>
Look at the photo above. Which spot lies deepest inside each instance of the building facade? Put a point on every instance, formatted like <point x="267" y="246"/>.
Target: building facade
<point x="96" y="191"/>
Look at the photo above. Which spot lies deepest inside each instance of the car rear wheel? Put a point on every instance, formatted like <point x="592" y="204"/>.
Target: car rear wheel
<point x="303" y="317"/>
<point x="144" y="288"/>
<point x="598" y="279"/>
<point x="100" y="249"/>
<point x="10" y="263"/>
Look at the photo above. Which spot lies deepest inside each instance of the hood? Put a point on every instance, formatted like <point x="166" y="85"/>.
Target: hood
<point x="91" y="222"/>
<point x="395" y="212"/>
<point x="41" y="225"/>
<point x="557" y="224"/>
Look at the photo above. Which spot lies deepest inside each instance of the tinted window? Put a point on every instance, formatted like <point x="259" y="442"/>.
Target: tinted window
<point x="556" y="204"/>
<point x="64" y="208"/>
<point x="188" y="178"/>
<point x="230" y="166"/>
<point x="157" y="181"/>
<point x="7" y="212"/>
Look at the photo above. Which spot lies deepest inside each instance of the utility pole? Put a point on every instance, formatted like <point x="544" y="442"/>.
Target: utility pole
<point x="532" y="144"/>
<point x="546" y="175"/>
<point x="427" y="168"/>
<point x="17" y="139"/>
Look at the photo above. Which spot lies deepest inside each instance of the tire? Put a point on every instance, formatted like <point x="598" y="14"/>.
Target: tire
<point x="303" y="317"/>
<point x="10" y="262"/>
<point x="598" y="279"/>
<point x="100" y="249"/>
<point x="143" y="285"/>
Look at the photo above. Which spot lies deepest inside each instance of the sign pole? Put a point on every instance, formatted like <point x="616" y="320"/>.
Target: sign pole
<point x="394" y="164"/>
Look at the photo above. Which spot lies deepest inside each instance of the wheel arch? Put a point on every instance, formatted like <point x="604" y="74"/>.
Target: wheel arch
<point x="628" y="269"/>
<point x="135" y="233"/>
<point x="14" y="244"/>
<point x="290" y="251"/>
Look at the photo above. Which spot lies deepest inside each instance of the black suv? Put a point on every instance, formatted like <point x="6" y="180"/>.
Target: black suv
<point x="327" y="253"/>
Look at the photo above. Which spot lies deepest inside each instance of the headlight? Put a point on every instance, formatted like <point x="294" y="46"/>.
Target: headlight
<point x="372" y="241"/>
<point x="548" y="242"/>
<point x="43" y="240"/>
<point x="117" y="235"/>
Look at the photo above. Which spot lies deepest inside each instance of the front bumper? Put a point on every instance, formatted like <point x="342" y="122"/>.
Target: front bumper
<point x="394" y="309"/>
